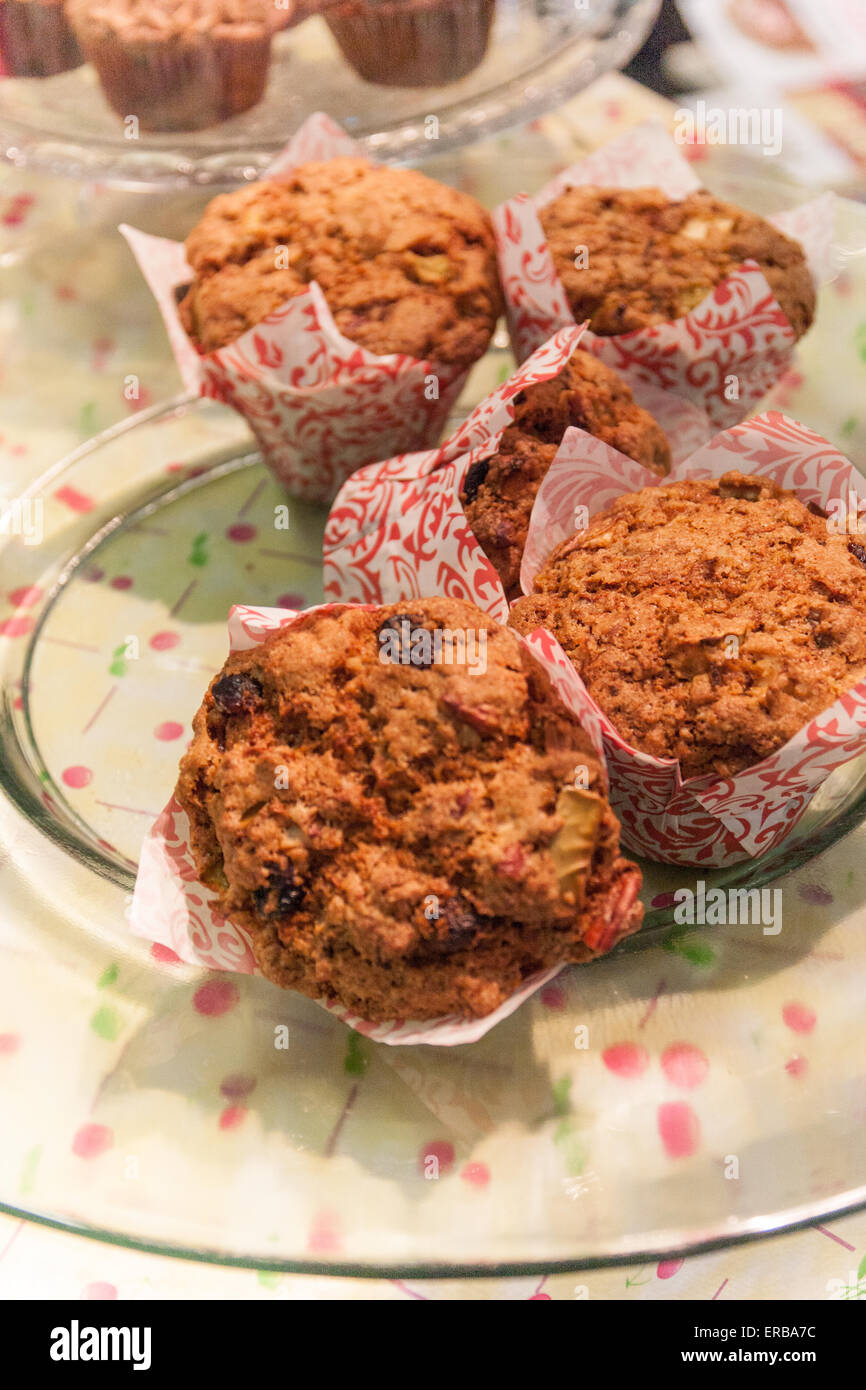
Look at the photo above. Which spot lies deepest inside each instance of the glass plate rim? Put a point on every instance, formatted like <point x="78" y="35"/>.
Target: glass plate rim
<point x="790" y="1218"/>
<point x="110" y="869"/>
<point x="505" y="105"/>
<point x="751" y="1230"/>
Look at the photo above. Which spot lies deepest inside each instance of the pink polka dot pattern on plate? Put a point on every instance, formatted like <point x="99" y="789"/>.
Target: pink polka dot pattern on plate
<point x="99" y="1291"/>
<point x="121" y="581"/>
<point x="679" y="1129"/>
<point x="553" y="997"/>
<point x="815" y="894"/>
<point x="291" y="601"/>
<point x="668" y="1268"/>
<point x="324" y="1233"/>
<point x="232" y="1117"/>
<point x="663" y="900"/>
<point x="15" y="627"/>
<point x="164" y="641"/>
<point x="626" y="1059"/>
<point x="9" y="1043"/>
<point x="168" y="731"/>
<point x="215" y="998"/>
<point x="26" y="596"/>
<point x="441" y="1151"/>
<point x="478" y="1174"/>
<point x="799" y="1017"/>
<point x="164" y="954"/>
<point x="75" y="500"/>
<point x="92" y="1140"/>
<point x="241" y="532"/>
<point x="796" y="1066"/>
<point x="684" y="1065"/>
<point x="76" y="777"/>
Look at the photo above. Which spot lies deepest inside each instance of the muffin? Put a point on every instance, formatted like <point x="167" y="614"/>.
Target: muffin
<point x="406" y="264"/>
<point x="35" y="39"/>
<point x="710" y="620"/>
<point x="177" y="64"/>
<point x="498" y="492"/>
<point x="398" y="831"/>
<point x="650" y="260"/>
<point x="412" y="43"/>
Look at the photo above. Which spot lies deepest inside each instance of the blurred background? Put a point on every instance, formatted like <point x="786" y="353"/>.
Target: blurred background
<point x="807" y="58"/>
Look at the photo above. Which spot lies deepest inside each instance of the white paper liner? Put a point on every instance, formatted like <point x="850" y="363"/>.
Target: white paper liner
<point x="172" y="907"/>
<point x="318" y="404"/>
<point x="738" y="332"/>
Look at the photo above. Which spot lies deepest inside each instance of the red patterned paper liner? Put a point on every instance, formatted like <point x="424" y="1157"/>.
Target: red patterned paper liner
<point x="398" y="531"/>
<point x="709" y="821"/>
<point x="739" y="330"/>
<point x="170" y="906"/>
<point x="318" y="404"/>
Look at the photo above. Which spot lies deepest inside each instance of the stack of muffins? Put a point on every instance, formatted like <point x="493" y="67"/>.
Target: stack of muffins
<point x="441" y="831"/>
<point x="183" y="65"/>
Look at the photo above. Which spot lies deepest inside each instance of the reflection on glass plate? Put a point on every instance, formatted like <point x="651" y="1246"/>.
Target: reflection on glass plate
<point x="541" y="53"/>
<point x="704" y="1084"/>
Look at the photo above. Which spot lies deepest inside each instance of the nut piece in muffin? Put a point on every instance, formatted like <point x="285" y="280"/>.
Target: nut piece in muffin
<point x="498" y="493"/>
<point x="650" y="260"/>
<point x="177" y="64"/>
<point x="35" y="39"/>
<point x="387" y="802"/>
<point x="412" y="43"/>
<point x="710" y="620"/>
<point x="407" y="265"/>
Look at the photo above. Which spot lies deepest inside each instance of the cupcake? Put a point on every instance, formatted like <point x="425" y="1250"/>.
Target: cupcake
<point x="385" y="800"/>
<point x="36" y="39"/>
<point x="647" y="260"/>
<point x="177" y="64"/>
<point x="710" y="620"/>
<point x="406" y="264"/>
<point x="498" y="492"/>
<point x="412" y="43"/>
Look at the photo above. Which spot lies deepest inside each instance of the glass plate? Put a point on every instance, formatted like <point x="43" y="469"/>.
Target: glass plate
<point x="541" y="53"/>
<point x="700" y="1086"/>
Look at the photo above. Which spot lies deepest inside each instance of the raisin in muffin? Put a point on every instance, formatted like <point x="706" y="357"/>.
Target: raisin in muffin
<point x="650" y="260"/>
<point x="406" y="264"/>
<point x="398" y="832"/>
<point x="710" y="620"/>
<point x="498" y="492"/>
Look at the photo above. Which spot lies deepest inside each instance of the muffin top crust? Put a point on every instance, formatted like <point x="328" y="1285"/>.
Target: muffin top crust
<point x="649" y="260"/>
<point x="404" y="835"/>
<point x="710" y="620"/>
<point x="406" y="264"/>
<point x="498" y="493"/>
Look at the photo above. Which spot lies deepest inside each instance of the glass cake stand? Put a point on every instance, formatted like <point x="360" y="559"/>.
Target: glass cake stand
<point x="700" y="1086"/>
<point x="541" y="53"/>
<point x="145" y="1101"/>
